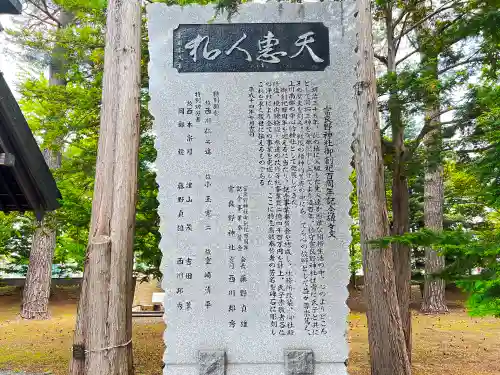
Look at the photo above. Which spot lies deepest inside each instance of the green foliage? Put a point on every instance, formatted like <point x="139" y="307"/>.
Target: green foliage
<point x="355" y="254"/>
<point x="66" y="119"/>
<point x="16" y="232"/>
<point x="484" y="297"/>
<point x="460" y="43"/>
<point x="467" y="250"/>
<point x="456" y="46"/>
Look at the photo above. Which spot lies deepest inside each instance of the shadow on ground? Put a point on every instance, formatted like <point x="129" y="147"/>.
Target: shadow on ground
<point x="452" y="344"/>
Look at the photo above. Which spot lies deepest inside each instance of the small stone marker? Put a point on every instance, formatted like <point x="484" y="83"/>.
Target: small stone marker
<point x="212" y="362"/>
<point x="254" y="121"/>
<point x="299" y="362"/>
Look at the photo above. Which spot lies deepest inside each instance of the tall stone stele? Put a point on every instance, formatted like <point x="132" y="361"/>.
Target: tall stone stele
<point x="254" y="120"/>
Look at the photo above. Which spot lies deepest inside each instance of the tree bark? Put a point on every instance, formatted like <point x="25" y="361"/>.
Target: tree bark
<point x="400" y="225"/>
<point x="57" y="67"/>
<point x="77" y="362"/>
<point x="400" y="196"/>
<point x="39" y="276"/>
<point x="107" y="332"/>
<point x="434" y="301"/>
<point x="99" y="255"/>
<point x="402" y="253"/>
<point x="388" y="355"/>
<point x="130" y="303"/>
<point x="434" y="287"/>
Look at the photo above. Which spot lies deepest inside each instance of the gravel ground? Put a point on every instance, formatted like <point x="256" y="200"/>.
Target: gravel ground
<point x="3" y="372"/>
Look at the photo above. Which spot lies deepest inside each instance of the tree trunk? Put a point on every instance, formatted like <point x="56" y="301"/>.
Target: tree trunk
<point x="98" y="281"/>
<point x="401" y="253"/>
<point x="106" y="331"/>
<point x="129" y="317"/>
<point x="39" y="276"/>
<point x="77" y="362"/>
<point x="434" y="288"/>
<point x="37" y="284"/>
<point x="57" y="67"/>
<point x="400" y="197"/>
<point x="386" y="338"/>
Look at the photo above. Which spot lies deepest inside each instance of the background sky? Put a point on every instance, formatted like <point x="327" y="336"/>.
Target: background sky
<point x="10" y="66"/>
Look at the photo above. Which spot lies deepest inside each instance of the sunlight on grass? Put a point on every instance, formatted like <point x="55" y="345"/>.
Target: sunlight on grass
<point x="454" y="344"/>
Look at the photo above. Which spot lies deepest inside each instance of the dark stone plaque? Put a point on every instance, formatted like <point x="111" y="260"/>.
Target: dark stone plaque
<point x="251" y="47"/>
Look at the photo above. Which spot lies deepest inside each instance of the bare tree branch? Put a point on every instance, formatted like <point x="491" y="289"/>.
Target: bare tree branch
<point x="404" y="14"/>
<point x="382" y="131"/>
<point x="402" y="28"/>
<point x="35" y="25"/>
<point x="469" y="60"/>
<point x="44" y="3"/>
<point x="449" y="122"/>
<point x="426" y="129"/>
<point x="447" y="25"/>
<point x="44" y="21"/>
<point x="381" y="58"/>
<point x="449" y="109"/>
<point x="406" y="11"/>
<point x="480" y="149"/>
<point x="44" y="10"/>
<point x="406" y="57"/>
<point x="442" y="8"/>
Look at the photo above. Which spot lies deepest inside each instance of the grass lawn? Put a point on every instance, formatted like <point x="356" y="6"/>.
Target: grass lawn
<point x="453" y="344"/>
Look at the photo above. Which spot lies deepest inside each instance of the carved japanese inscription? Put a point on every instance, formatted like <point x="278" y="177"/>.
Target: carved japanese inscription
<point x="253" y="125"/>
<point x="251" y="47"/>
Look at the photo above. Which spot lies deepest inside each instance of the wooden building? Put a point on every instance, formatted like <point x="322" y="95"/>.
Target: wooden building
<point x="10" y="7"/>
<point x="26" y="183"/>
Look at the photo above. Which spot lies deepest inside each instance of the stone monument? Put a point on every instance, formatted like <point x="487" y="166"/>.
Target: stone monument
<point x="254" y="118"/>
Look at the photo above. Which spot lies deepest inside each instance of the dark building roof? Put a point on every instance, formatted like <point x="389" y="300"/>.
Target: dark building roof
<point x="10" y="7"/>
<point x="26" y="183"/>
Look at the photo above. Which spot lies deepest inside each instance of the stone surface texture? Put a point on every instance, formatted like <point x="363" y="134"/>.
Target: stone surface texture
<point x="299" y="362"/>
<point x="235" y="161"/>
<point x="212" y="362"/>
